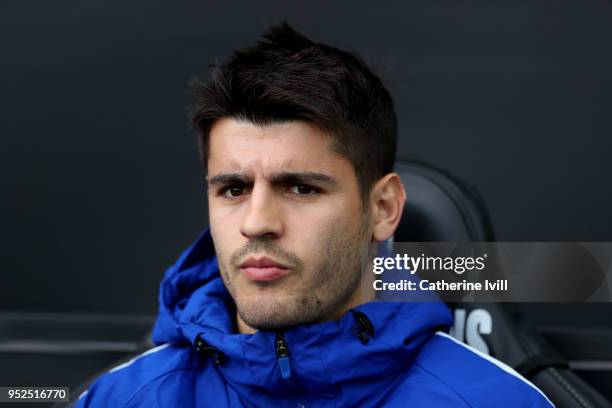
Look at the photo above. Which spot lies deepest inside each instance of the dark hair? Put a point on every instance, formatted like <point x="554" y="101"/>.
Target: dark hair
<point x="286" y="76"/>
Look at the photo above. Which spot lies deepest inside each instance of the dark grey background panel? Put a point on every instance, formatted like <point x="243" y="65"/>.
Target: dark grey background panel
<point x="100" y="179"/>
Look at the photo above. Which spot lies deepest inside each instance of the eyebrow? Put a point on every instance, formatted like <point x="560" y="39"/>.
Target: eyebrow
<point x="284" y="177"/>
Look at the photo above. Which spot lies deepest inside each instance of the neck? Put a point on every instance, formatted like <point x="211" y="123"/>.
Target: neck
<point x="242" y="327"/>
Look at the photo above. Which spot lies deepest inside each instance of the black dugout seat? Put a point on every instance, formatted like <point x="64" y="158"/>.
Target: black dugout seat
<point x="442" y="208"/>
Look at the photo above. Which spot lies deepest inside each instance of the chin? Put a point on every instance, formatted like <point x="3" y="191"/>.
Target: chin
<point x="269" y="312"/>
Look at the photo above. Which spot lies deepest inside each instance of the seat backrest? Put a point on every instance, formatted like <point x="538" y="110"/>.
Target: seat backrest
<point x="439" y="208"/>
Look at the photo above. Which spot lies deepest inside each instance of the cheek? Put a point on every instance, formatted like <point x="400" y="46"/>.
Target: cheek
<point x="338" y="216"/>
<point x="221" y="217"/>
<point x="224" y="224"/>
<point x="312" y="238"/>
<point x="222" y="240"/>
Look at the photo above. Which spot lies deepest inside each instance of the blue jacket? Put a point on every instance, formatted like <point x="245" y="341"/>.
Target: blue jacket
<point x="406" y="360"/>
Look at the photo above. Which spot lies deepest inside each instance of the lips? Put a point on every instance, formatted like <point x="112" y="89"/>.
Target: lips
<point x="263" y="269"/>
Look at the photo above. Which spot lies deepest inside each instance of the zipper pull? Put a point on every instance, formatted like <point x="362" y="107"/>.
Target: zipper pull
<point x="282" y="355"/>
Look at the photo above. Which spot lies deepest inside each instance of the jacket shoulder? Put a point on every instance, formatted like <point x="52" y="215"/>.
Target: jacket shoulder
<point x="471" y="377"/>
<point x="119" y="385"/>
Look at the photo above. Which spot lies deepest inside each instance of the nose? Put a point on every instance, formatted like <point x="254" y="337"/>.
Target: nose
<point x="262" y="218"/>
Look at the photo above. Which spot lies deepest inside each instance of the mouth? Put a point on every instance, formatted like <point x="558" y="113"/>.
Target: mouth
<point x="263" y="269"/>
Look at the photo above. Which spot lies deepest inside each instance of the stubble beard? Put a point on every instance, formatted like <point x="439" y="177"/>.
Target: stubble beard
<point x="334" y="282"/>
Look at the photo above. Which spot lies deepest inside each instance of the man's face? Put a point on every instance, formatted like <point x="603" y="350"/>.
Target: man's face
<point x="291" y="237"/>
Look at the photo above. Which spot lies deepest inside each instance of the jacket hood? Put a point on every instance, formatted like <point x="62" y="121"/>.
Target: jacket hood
<point x="322" y="358"/>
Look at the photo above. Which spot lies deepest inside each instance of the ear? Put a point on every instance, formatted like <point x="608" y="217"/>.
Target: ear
<point x="387" y="203"/>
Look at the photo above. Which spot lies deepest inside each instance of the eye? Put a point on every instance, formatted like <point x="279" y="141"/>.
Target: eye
<point x="302" y="189"/>
<point x="232" y="192"/>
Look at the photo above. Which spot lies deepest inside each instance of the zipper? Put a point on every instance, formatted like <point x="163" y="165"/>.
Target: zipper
<point x="282" y="356"/>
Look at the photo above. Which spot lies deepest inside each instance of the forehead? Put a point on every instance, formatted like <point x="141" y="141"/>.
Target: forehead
<point x="243" y="146"/>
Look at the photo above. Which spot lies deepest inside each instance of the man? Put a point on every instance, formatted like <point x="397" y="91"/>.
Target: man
<point x="273" y="306"/>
